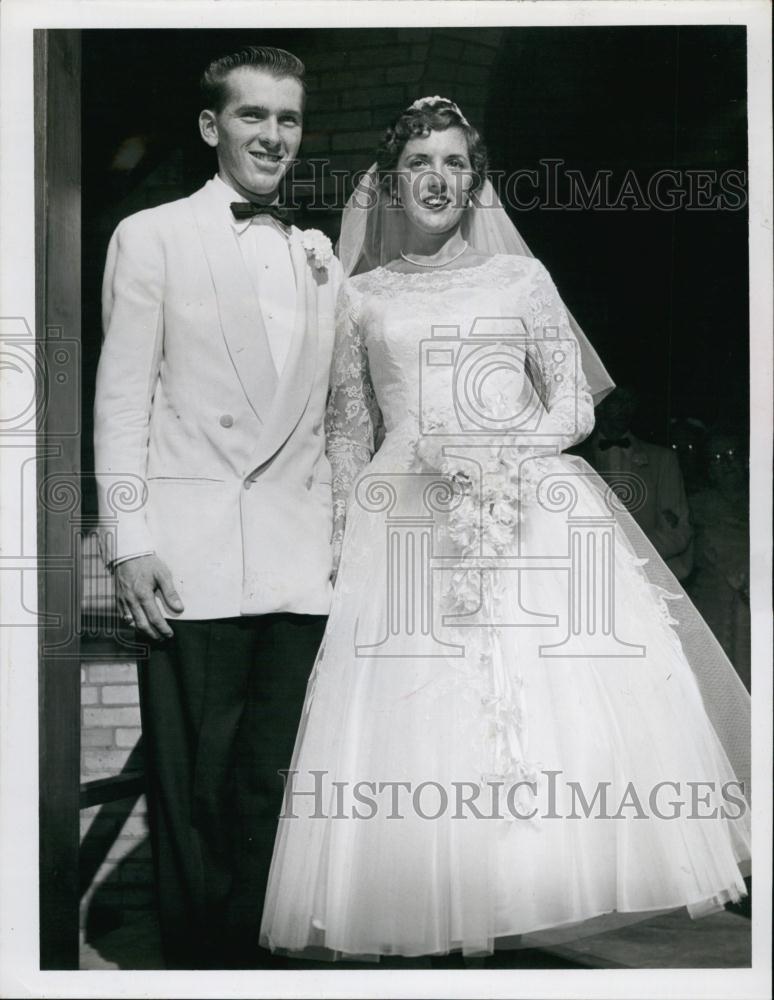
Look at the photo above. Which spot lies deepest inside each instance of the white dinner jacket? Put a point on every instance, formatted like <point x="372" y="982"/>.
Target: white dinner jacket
<point x="202" y="453"/>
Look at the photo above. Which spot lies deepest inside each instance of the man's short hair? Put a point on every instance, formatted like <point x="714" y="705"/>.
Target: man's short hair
<point x="276" y="62"/>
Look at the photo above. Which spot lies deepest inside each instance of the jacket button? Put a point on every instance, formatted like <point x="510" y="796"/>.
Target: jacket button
<point x="309" y="482"/>
<point x="317" y="429"/>
<point x="248" y="483"/>
<point x="226" y="420"/>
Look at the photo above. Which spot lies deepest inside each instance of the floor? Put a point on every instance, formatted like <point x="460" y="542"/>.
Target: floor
<point x="672" y="941"/>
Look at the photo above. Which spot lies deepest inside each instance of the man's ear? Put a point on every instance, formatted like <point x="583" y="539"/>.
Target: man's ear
<point x="208" y="127"/>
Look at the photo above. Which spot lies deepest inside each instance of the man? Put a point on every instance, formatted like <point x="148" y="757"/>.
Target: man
<point x="688" y="439"/>
<point x="210" y="395"/>
<point x="663" y="514"/>
<point x="720" y="586"/>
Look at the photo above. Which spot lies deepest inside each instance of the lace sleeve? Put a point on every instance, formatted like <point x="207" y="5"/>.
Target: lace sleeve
<point x="352" y="414"/>
<point x="555" y="359"/>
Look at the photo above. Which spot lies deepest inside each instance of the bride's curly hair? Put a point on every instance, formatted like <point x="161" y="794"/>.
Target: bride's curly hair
<point x="433" y="116"/>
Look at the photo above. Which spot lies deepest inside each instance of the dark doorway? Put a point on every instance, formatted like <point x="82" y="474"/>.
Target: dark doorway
<point x="661" y="292"/>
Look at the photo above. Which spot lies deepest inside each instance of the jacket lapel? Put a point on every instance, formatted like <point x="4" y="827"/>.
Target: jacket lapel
<point x="241" y="319"/>
<point x="295" y="384"/>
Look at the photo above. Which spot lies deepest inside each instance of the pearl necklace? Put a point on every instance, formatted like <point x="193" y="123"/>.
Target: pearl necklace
<point x="419" y="263"/>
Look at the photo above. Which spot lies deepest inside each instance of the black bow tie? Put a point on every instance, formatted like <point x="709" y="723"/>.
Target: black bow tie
<point x="249" y="210"/>
<point x="604" y="443"/>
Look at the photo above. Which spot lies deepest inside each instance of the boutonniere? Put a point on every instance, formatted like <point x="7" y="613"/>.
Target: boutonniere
<point x="318" y="248"/>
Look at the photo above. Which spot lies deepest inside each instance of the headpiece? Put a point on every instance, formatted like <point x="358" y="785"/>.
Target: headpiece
<point x="420" y="103"/>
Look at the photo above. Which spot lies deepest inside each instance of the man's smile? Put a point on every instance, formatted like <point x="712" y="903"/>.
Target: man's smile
<point x="261" y="156"/>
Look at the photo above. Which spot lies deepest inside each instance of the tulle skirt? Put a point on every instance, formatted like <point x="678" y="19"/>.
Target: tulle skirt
<point x="544" y="763"/>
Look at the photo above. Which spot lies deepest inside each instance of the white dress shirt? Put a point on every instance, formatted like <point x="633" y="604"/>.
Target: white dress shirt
<point x="265" y="251"/>
<point x="613" y="459"/>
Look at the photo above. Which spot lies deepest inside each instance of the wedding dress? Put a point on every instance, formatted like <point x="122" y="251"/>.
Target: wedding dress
<point x="503" y="643"/>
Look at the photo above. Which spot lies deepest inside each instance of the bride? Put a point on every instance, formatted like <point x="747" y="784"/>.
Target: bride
<point x="518" y="730"/>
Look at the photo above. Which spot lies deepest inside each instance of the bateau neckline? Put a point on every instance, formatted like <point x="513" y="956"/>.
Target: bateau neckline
<point x="438" y="271"/>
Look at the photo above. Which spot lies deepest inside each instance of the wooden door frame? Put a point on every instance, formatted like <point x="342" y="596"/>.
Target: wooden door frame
<point x="57" y="78"/>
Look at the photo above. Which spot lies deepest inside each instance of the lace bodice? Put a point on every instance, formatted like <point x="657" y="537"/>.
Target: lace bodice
<point x="489" y="340"/>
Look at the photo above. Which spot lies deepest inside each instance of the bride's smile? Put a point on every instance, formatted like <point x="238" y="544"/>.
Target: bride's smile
<point x="434" y="178"/>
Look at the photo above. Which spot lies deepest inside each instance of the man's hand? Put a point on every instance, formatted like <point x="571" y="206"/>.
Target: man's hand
<point x="137" y="583"/>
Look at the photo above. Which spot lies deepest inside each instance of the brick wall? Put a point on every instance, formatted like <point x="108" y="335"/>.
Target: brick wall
<point x="357" y="80"/>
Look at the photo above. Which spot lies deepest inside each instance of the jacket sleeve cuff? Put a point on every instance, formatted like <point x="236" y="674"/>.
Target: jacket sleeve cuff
<point x="125" y="538"/>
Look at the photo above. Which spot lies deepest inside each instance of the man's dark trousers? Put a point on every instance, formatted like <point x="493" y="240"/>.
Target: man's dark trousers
<point x="221" y="703"/>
